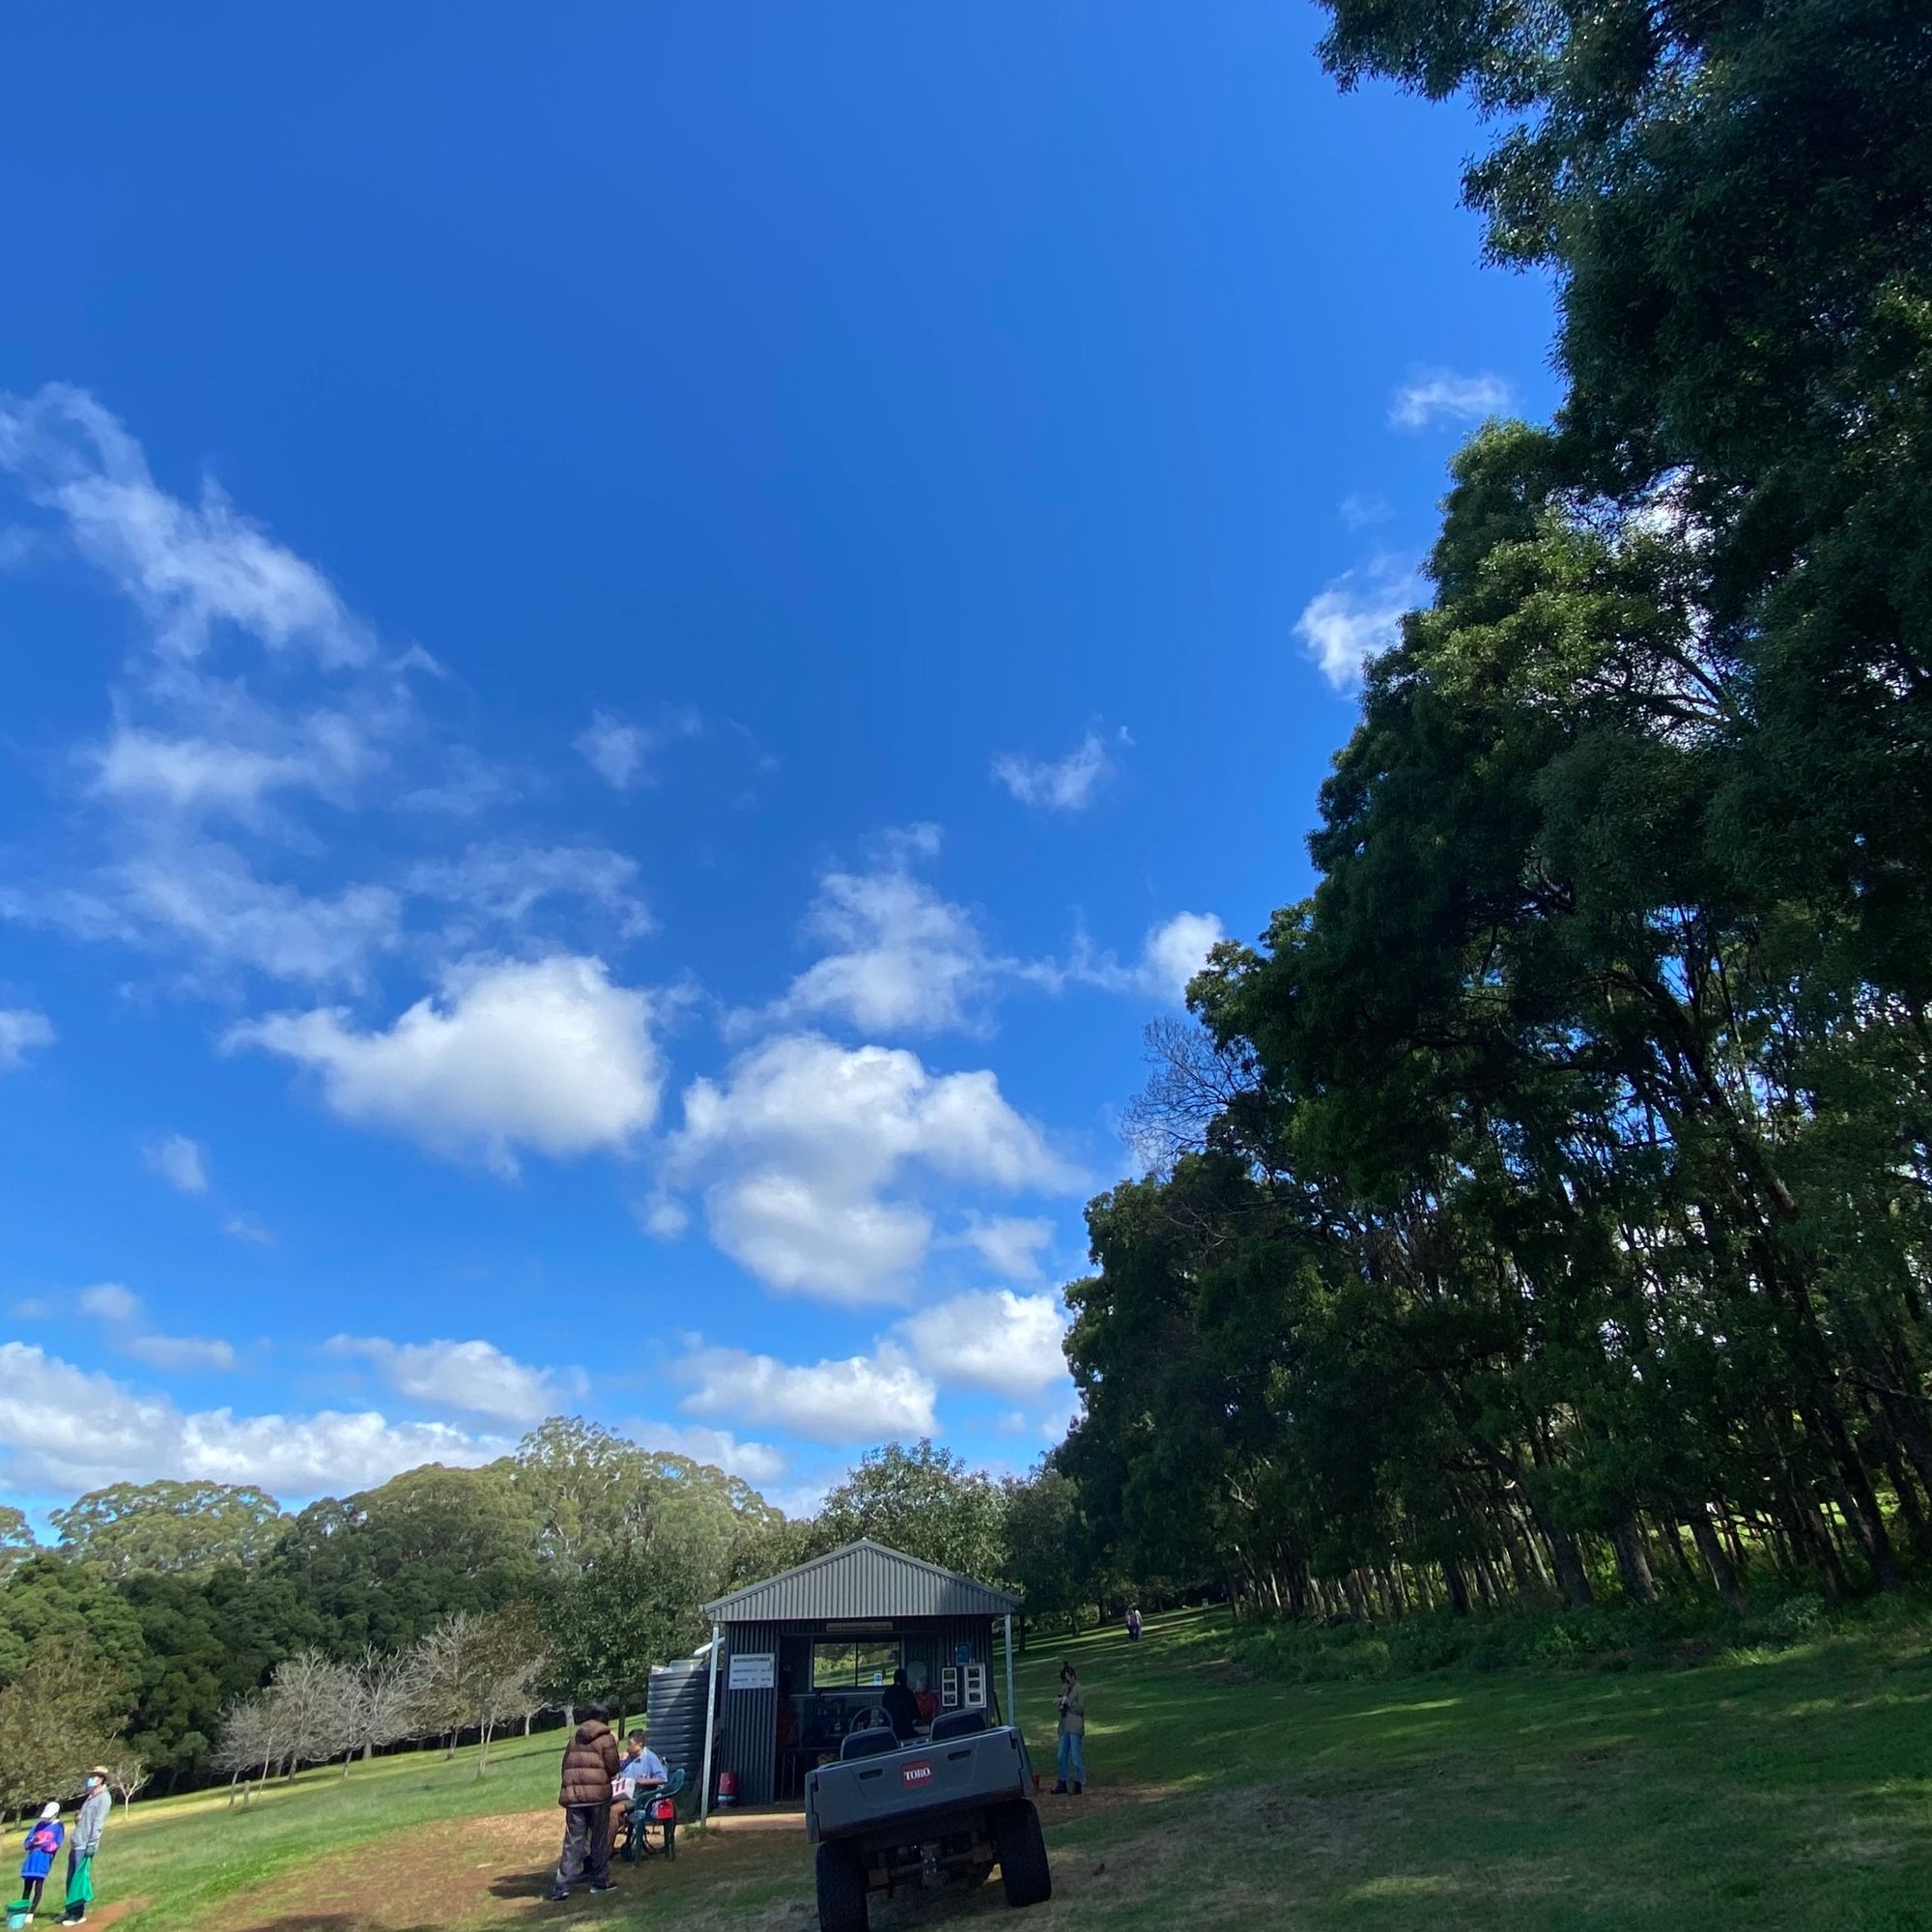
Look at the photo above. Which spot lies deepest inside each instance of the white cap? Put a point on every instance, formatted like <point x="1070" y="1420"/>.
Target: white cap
<point x="49" y="1810"/>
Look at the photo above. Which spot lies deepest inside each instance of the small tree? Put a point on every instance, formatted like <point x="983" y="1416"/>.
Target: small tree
<point x="478" y="1671"/>
<point x="384" y="1689"/>
<point x="56" y="1720"/>
<point x="244" y="1740"/>
<point x="312" y="1702"/>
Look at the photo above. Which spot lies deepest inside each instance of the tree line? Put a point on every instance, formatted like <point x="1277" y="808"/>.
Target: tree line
<point x="1540" y="1210"/>
<point x="188" y="1632"/>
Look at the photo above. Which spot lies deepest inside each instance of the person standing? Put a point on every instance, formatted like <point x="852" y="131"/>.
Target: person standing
<point x="901" y="1707"/>
<point x="1072" y="1731"/>
<point x="85" y="1846"/>
<point x="590" y="1763"/>
<point x="47" y="1836"/>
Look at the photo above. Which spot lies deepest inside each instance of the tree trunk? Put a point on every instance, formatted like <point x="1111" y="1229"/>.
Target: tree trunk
<point x="1632" y="1566"/>
<point x="1459" y="1590"/>
<point x="1711" y="1549"/>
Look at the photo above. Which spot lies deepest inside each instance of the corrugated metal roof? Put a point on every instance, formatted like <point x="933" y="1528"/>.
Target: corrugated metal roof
<point x="861" y="1580"/>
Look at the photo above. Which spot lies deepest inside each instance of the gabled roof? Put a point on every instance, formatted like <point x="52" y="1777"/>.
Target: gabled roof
<point x="863" y="1581"/>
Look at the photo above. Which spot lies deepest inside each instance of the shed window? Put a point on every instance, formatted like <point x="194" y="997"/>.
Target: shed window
<point x="864" y="1666"/>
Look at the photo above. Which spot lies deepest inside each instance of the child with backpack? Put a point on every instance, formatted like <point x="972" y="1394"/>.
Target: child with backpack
<point x="45" y="1839"/>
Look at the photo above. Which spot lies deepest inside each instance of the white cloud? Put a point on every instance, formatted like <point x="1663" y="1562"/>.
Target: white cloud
<point x="1170" y="955"/>
<point x="1359" y="511"/>
<point x="246" y="1228"/>
<point x="619" y="750"/>
<point x="995" y="1340"/>
<point x="1059" y="784"/>
<point x="180" y="1162"/>
<point x="21" y="1031"/>
<point x="503" y="883"/>
<point x="191" y="568"/>
<point x="1355" y="617"/>
<point x="118" y="1309"/>
<point x="797" y="1145"/>
<point x="190" y="774"/>
<point x="474" y="1376"/>
<point x="614" y="750"/>
<point x="204" y="898"/>
<point x="904" y="958"/>
<point x="1436" y="395"/>
<point x="859" y="1400"/>
<point x="546" y="1053"/>
<point x="109" y="1302"/>
<point x="68" y="1429"/>
<point x="755" y="1462"/>
<point x="1010" y="1246"/>
<point x="178" y="1352"/>
<point x="665" y="1217"/>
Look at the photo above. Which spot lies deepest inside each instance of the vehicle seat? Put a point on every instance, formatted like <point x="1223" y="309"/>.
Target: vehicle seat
<point x="958" y="1725"/>
<point x="868" y="1744"/>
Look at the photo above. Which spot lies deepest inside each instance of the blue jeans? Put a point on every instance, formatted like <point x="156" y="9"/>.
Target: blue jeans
<point x="1072" y="1759"/>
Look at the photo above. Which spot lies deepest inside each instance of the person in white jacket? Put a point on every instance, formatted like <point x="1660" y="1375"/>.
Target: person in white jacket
<point x="86" y="1843"/>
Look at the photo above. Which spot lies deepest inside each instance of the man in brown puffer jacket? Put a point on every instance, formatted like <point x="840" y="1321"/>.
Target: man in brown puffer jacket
<point x="590" y="1762"/>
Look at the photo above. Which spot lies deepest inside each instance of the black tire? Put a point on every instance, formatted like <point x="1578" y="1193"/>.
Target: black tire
<point x="841" y="1888"/>
<point x="1022" y="1850"/>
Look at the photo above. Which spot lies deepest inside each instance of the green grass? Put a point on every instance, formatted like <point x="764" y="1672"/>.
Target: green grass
<point x="1771" y="1789"/>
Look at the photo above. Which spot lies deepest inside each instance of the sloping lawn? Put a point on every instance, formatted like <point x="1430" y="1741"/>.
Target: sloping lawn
<point x="1778" y="1791"/>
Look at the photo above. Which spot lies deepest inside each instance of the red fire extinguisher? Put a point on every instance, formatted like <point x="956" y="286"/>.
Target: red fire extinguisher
<point x="727" y="1789"/>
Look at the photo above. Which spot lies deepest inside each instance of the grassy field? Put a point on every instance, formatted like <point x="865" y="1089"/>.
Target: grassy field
<point x="1775" y="1790"/>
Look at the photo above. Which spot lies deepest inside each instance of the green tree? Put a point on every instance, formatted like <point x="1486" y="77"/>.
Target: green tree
<point x="165" y="1526"/>
<point x="57" y="1719"/>
<point x="50" y="1596"/>
<point x="922" y="1501"/>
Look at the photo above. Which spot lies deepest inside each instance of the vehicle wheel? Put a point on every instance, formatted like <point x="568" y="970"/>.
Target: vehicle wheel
<point x="841" y="1888"/>
<point x="1022" y="1849"/>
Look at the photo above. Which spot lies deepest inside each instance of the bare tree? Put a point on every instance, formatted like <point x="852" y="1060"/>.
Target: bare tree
<point x="128" y="1775"/>
<point x="243" y="1741"/>
<point x="382" y="1690"/>
<point x="478" y="1671"/>
<point x="312" y="1700"/>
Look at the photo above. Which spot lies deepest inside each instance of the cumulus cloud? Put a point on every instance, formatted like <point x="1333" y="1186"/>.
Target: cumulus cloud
<point x="545" y="1055"/>
<point x="797" y="1146"/>
<point x="22" y="1030"/>
<point x="1442" y="395"/>
<point x="993" y="1340"/>
<point x="68" y="1429"/>
<point x="1059" y="784"/>
<point x="902" y="958"/>
<point x="1009" y="1245"/>
<point x="474" y="1376"/>
<point x="1171" y="953"/>
<point x="182" y="1162"/>
<point x="1355" y="617"/>
<point x="192" y="568"/>
<point x="860" y="1399"/>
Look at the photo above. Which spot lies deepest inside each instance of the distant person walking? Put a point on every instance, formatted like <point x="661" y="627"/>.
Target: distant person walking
<point x="1072" y="1731"/>
<point x="45" y="1839"/>
<point x="590" y="1763"/>
<point x="1134" y="1624"/>
<point x="85" y="1846"/>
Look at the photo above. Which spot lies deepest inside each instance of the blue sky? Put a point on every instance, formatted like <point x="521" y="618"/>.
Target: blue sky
<point x="638" y="643"/>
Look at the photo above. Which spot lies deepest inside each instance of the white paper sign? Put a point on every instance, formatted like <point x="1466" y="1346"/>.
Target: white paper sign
<point x="755" y="1671"/>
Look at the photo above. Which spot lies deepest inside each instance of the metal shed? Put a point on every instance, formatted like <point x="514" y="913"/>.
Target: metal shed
<point x="796" y="1658"/>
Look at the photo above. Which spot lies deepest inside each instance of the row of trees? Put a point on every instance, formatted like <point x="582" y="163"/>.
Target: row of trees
<point x="201" y="1630"/>
<point x="1545" y="1204"/>
<point x="468" y="1673"/>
